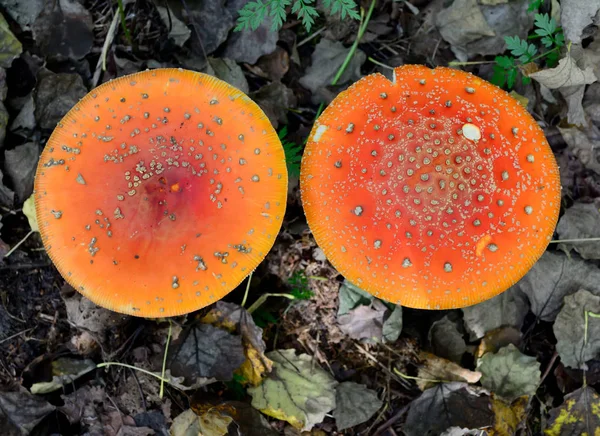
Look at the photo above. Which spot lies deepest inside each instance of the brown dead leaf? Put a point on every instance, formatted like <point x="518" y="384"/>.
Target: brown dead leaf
<point x="436" y="368"/>
<point x="272" y="66"/>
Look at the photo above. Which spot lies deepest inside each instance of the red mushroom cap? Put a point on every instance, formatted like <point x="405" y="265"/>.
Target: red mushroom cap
<point x="437" y="190"/>
<point x="159" y="192"/>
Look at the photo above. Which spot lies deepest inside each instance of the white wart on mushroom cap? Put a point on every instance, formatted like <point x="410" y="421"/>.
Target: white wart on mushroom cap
<point x="437" y="190"/>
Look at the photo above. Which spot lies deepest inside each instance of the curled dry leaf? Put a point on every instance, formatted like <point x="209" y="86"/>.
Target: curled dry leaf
<point x="297" y="390"/>
<point x="436" y="368"/>
<point x="567" y="73"/>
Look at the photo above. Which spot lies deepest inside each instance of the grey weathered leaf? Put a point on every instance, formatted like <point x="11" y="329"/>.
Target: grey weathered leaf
<point x="275" y="99"/>
<point x="584" y="145"/>
<point x="205" y="351"/>
<point x="326" y="60"/>
<point x="229" y="71"/>
<point x="351" y="296"/>
<point x="473" y="29"/>
<point x="178" y="31"/>
<point x="506" y="309"/>
<point x="392" y="326"/>
<point x="577" y="15"/>
<point x="10" y="47"/>
<point x="569" y="329"/>
<point x="249" y="45"/>
<point x="212" y="20"/>
<point x="55" y="95"/>
<point x="446" y="340"/>
<point x="24" y="13"/>
<point x="20" y="412"/>
<point x="581" y="221"/>
<point x="64" y="30"/>
<point x="20" y="165"/>
<point x="297" y="390"/>
<point x="7" y="197"/>
<point x="552" y="278"/>
<point x="355" y="404"/>
<point x="448" y="405"/>
<point x="25" y="120"/>
<point x="3" y="122"/>
<point x="364" y="322"/>
<point x="509" y="373"/>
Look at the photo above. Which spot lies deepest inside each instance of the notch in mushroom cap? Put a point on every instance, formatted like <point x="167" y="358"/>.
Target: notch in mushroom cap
<point x="437" y="190"/>
<point x="159" y="192"/>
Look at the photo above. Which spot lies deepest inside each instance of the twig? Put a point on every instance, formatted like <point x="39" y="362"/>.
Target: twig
<point x="18" y="244"/>
<point x="399" y="414"/>
<point x="310" y="37"/>
<point x="559" y="241"/>
<point x="382" y="366"/>
<point x="15" y="335"/>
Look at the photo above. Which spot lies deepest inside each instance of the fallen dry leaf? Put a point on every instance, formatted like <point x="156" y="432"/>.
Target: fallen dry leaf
<point x="236" y="319"/>
<point x="436" y="368"/>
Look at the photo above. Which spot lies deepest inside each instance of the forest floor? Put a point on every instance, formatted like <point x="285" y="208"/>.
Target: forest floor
<point x="326" y="358"/>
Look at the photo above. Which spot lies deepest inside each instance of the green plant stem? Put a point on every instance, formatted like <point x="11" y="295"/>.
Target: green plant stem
<point x="541" y="55"/>
<point x="463" y="64"/>
<point x="381" y="64"/>
<point x="264" y="297"/>
<point x="247" y="289"/>
<point x="107" y="364"/>
<point x="164" y="364"/>
<point x="123" y="22"/>
<point x="364" y="22"/>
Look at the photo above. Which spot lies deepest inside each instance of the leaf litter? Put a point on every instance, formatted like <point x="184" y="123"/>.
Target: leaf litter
<point x="353" y="363"/>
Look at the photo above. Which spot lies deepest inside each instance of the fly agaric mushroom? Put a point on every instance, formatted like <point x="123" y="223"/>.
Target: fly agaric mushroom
<point x="159" y="192"/>
<point x="436" y="190"/>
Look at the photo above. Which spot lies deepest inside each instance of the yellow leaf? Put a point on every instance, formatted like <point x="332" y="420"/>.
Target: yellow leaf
<point x="508" y="416"/>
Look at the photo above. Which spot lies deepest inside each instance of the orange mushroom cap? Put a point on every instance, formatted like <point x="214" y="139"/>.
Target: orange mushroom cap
<point x="159" y="192"/>
<point x="436" y="190"/>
